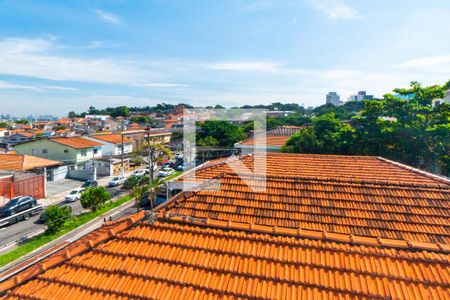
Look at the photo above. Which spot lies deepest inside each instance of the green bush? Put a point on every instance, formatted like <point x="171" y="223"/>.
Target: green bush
<point x="94" y="198"/>
<point x="134" y="181"/>
<point x="55" y="216"/>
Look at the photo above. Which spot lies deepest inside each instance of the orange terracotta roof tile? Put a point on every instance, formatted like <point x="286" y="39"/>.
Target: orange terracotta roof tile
<point x="15" y="162"/>
<point x="112" y="138"/>
<point x="168" y="259"/>
<point x="369" y="169"/>
<point x="325" y="227"/>
<point x="394" y="211"/>
<point x="270" y="141"/>
<point x="75" y="142"/>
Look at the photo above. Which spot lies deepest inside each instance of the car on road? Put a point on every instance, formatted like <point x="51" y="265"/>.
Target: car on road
<point x="116" y="181"/>
<point x="89" y="184"/>
<point x="17" y="205"/>
<point x="74" y="195"/>
<point x="147" y="170"/>
<point x="138" y="173"/>
<point x="179" y="156"/>
<point x="164" y="172"/>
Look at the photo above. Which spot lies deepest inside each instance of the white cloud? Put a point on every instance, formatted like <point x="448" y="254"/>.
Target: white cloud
<point x="37" y="58"/>
<point x="426" y="62"/>
<point x="335" y="9"/>
<point x="6" y="85"/>
<point x="162" y="85"/>
<point x="107" y="17"/>
<point x="245" y="66"/>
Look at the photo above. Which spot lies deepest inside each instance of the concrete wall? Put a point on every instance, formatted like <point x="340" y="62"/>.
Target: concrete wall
<point x="81" y="174"/>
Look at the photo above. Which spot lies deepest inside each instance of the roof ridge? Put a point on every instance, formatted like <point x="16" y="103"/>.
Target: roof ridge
<point x="417" y="171"/>
<point x="332" y="179"/>
<point x="313" y="234"/>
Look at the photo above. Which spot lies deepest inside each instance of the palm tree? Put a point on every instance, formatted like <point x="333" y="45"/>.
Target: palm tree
<point x="150" y="153"/>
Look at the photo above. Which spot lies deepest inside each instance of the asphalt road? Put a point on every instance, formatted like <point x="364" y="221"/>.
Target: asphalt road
<point x="18" y="231"/>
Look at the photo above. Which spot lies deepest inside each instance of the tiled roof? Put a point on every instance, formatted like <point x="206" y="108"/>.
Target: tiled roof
<point x="75" y="142"/>
<point x="112" y="138"/>
<point x="271" y="141"/>
<point x="326" y="227"/>
<point x="407" y="212"/>
<point x="177" y="260"/>
<point x="15" y="162"/>
<point x="352" y="168"/>
<point x="276" y="137"/>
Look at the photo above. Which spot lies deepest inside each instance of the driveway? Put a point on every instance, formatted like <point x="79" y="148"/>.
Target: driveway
<point x="63" y="185"/>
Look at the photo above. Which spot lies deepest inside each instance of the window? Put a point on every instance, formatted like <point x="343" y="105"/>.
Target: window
<point x="66" y="150"/>
<point x="83" y="153"/>
<point x="34" y="151"/>
<point x="44" y="151"/>
<point x="95" y="151"/>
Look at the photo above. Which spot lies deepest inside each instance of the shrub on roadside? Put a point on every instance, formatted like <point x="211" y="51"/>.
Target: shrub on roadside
<point x="94" y="198"/>
<point x="55" y="216"/>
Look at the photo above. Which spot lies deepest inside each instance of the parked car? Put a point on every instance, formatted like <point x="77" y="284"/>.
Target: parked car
<point x="16" y="205"/>
<point x="147" y="170"/>
<point x="89" y="184"/>
<point x="74" y="195"/>
<point x="179" y="156"/>
<point x="138" y="173"/>
<point x="118" y="180"/>
<point x="164" y="172"/>
<point x="169" y="164"/>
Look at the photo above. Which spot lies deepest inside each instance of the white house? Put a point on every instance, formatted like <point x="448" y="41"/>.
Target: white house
<point x="112" y="144"/>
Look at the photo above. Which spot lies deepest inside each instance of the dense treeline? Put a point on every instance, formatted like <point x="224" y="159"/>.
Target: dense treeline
<point x="415" y="132"/>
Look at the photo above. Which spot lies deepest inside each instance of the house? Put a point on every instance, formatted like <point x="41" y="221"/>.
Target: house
<point x="156" y="135"/>
<point x="274" y="140"/>
<point x="69" y="150"/>
<point x="23" y="163"/>
<point x="326" y="227"/>
<point x="52" y="169"/>
<point x="112" y="144"/>
<point x="3" y="132"/>
<point x="16" y="138"/>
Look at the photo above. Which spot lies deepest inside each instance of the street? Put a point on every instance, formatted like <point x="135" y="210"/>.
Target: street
<point x="18" y="231"/>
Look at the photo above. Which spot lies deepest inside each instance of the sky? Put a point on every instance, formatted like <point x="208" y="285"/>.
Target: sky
<point x="59" y="56"/>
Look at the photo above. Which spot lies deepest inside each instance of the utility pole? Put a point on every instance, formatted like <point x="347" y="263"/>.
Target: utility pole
<point x="121" y="152"/>
<point x="150" y="167"/>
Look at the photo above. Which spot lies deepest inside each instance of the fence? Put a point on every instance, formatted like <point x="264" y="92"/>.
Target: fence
<point x="30" y="186"/>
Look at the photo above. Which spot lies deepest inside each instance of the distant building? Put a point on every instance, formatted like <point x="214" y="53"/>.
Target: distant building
<point x="360" y="96"/>
<point x="333" y="98"/>
<point x="447" y="96"/>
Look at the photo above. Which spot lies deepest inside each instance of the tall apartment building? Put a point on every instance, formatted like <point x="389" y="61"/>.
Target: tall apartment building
<point x="333" y="98"/>
<point x="361" y="95"/>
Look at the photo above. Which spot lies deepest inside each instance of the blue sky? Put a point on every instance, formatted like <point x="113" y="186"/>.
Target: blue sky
<point x="57" y="56"/>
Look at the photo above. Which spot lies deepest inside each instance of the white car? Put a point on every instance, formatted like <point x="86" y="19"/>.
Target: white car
<point x="118" y="180"/>
<point x="164" y="172"/>
<point x="138" y="173"/>
<point x="74" y="195"/>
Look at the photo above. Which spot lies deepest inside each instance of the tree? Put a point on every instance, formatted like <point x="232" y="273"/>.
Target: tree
<point x="141" y="120"/>
<point x="151" y="153"/>
<point x="120" y="111"/>
<point x="94" y="198"/>
<point x="55" y="216"/>
<point x="72" y="115"/>
<point x="224" y="132"/>
<point x="326" y="136"/>
<point x="23" y="121"/>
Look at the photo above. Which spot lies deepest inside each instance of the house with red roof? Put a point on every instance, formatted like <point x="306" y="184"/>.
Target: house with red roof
<point x="271" y="141"/>
<point x="325" y="227"/>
